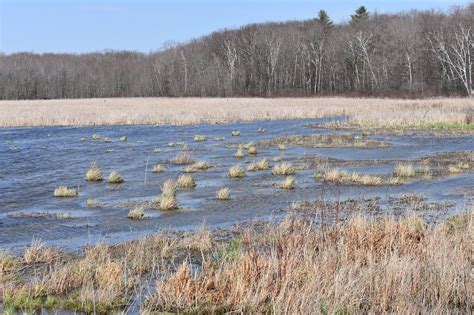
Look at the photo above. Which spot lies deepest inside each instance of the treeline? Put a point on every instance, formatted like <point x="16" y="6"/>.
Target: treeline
<point x="406" y="54"/>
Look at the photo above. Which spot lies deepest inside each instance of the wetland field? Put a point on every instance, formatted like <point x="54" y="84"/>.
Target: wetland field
<point x="326" y="205"/>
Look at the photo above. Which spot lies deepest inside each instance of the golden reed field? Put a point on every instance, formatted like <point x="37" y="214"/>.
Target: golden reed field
<point x="182" y="111"/>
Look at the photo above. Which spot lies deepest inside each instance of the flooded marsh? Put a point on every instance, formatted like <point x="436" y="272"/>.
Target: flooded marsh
<point x="136" y="191"/>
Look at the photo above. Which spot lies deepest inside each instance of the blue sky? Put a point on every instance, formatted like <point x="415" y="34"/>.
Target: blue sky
<point x="144" y="25"/>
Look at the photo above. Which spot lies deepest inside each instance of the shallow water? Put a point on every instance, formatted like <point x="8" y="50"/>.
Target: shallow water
<point x="34" y="161"/>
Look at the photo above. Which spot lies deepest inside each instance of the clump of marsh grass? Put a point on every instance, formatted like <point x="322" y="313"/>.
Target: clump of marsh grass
<point x="283" y="169"/>
<point x="186" y="181"/>
<point x="239" y="154"/>
<point x="92" y="203"/>
<point x="95" y="136"/>
<point x="64" y="191"/>
<point x="167" y="198"/>
<point x="404" y="170"/>
<point x="169" y="187"/>
<point x="458" y="168"/>
<point x="159" y="168"/>
<point x="8" y="263"/>
<point x="235" y="133"/>
<point x="168" y="202"/>
<point x="137" y="213"/>
<point x="223" y="194"/>
<point x="38" y="252"/>
<point x="236" y="171"/>
<point x="123" y="138"/>
<point x="252" y="150"/>
<point x="94" y="174"/>
<point x="287" y="183"/>
<point x="281" y="147"/>
<point x="342" y="177"/>
<point x="182" y="159"/>
<point x="115" y="178"/>
<point x="258" y="166"/>
<point x="157" y="150"/>
<point x="200" y="166"/>
<point x="200" y="138"/>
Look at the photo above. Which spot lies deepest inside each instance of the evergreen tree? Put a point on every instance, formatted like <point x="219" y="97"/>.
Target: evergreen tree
<point x="324" y="19"/>
<point x="361" y="15"/>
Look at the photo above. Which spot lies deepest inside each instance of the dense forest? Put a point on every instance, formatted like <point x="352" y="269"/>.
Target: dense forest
<point x="410" y="54"/>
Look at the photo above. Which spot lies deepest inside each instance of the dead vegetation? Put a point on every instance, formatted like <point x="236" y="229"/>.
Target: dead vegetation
<point x="94" y="174"/>
<point x="128" y="111"/>
<point x="324" y="140"/>
<point x="293" y="266"/>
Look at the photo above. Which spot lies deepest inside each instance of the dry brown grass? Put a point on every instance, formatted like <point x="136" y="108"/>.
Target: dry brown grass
<point x="287" y="183"/>
<point x="182" y="159"/>
<point x="137" y="213"/>
<point x="258" y="165"/>
<point x="404" y="170"/>
<point x="115" y="178"/>
<point x="236" y="171"/>
<point x="64" y="191"/>
<point x="283" y="169"/>
<point x="186" y="182"/>
<point x="290" y="267"/>
<point x="339" y="176"/>
<point x="362" y="266"/>
<point x="180" y="111"/>
<point x="223" y="193"/>
<point x="94" y="174"/>
<point x="158" y="168"/>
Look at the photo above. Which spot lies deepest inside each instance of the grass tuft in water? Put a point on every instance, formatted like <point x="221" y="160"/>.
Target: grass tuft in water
<point x="115" y="178"/>
<point x="182" y="159"/>
<point x="64" y="191"/>
<point x="236" y="171"/>
<point x="137" y="213"/>
<point x="159" y="168"/>
<point x="94" y="174"/>
<point x="283" y="169"/>
<point x="223" y="194"/>
<point x="404" y="170"/>
<point x="287" y="183"/>
<point x="186" y="182"/>
<point x="239" y="154"/>
<point x="200" y="138"/>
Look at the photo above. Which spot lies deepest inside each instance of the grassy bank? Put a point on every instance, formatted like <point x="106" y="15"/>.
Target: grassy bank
<point x="292" y="266"/>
